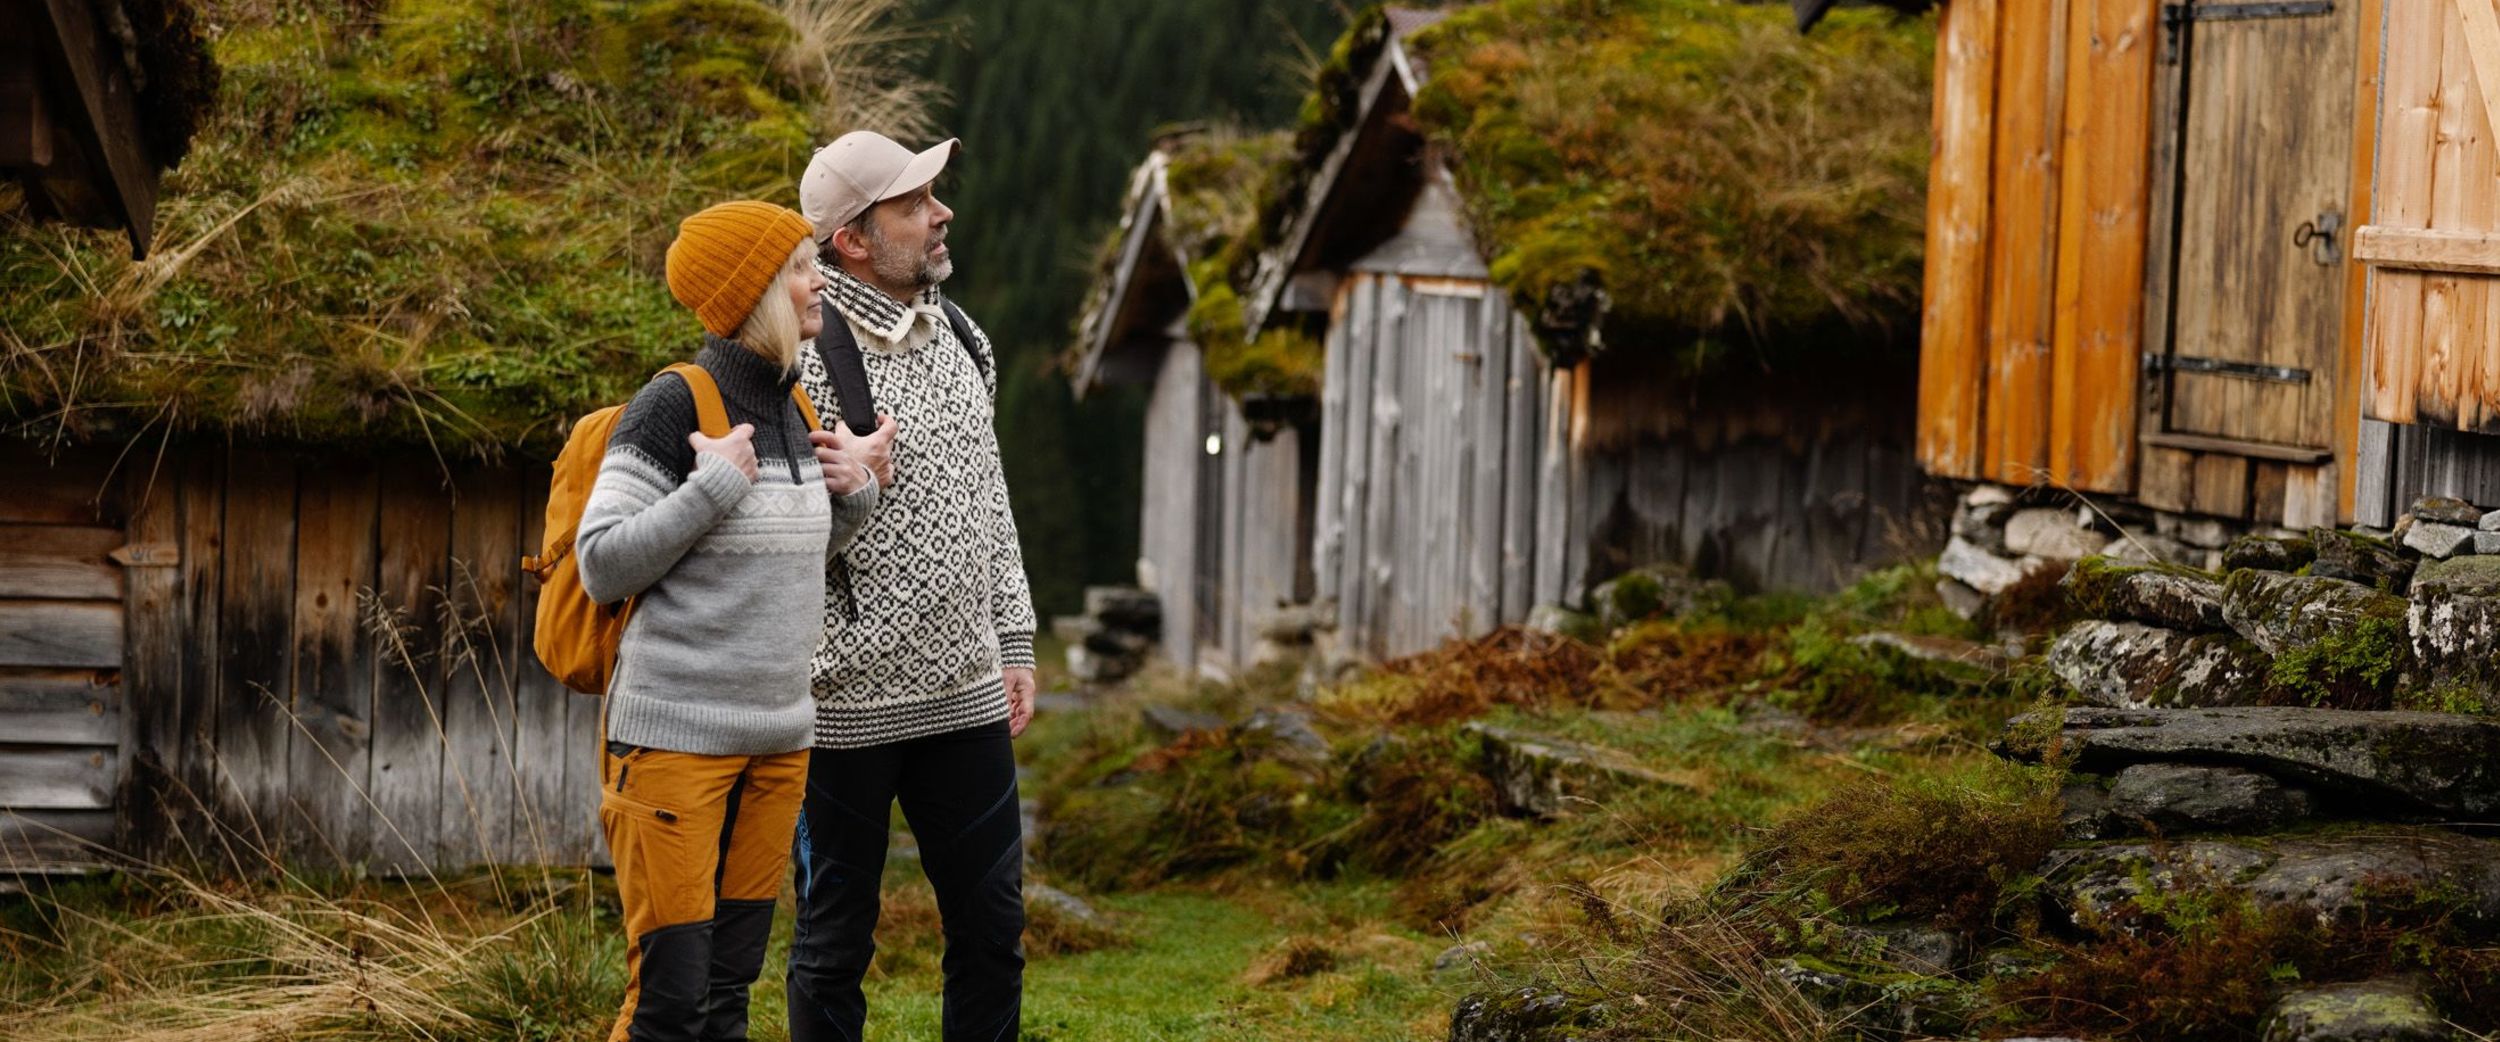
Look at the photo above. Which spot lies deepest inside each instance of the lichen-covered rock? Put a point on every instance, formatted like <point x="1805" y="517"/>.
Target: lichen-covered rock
<point x="2280" y="612"/>
<point x="1556" y="619"/>
<point x="2439" y="763"/>
<point x="2050" y="533"/>
<point x="2083" y="808"/>
<point x="2160" y="594"/>
<point x="2360" y="558"/>
<point x="2177" y="798"/>
<point x="2128" y="665"/>
<point x="2269" y="553"/>
<point x="2446" y="510"/>
<point x="2438" y="539"/>
<point x="2392" y="1010"/>
<point x="2334" y="877"/>
<point x="2453" y="619"/>
<point x="1959" y="598"/>
<point x="1981" y="519"/>
<point x="1524" y="1015"/>
<point x="1545" y="777"/>
<point x="2154" y="548"/>
<point x="1954" y="658"/>
<point x="1975" y="567"/>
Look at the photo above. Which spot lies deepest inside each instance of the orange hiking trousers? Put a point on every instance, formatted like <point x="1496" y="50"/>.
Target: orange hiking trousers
<point x="700" y="844"/>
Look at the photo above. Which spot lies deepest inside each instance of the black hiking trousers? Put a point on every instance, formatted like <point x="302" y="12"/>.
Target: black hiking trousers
<point x="958" y="791"/>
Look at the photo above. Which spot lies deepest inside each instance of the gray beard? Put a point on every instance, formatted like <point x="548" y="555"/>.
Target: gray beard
<point x="921" y="272"/>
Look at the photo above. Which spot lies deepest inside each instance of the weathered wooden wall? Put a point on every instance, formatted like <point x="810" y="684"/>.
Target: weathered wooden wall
<point x="1167" y="529"/>
<point x="65" y="720"/>
<point x="2037" y="241"/>
<point x="327" y="662"/>
<point x="2433" y="240"/>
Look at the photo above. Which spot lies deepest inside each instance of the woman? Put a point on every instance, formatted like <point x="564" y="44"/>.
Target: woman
<point x="724" y="541"/>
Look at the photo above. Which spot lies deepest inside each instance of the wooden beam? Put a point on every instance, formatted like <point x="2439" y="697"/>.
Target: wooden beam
<point x="2409" y="116"/>
<point x="59" y="562"/>
<point x="2482" y="45"/>
<point x="2099" y="324"/>
<point x="111" y="110"/>
<point x="64" y="634"/>
<point x="2424" y="249"/>
<point x="2351" y="362"/>
<point x="2023" y="234"/>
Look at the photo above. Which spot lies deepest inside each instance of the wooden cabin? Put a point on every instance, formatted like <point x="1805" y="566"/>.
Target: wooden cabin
<point x="90" y="118"/>
<point x="1469" y="471"/>
<point x="2220" y="259"/>
<point x="1225" y="516"/>
<point x="248" y="657"/>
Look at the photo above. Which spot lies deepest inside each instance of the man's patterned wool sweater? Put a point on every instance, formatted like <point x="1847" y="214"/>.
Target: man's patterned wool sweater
<point x="931" y="601"/>
<point x="715" y="658"/>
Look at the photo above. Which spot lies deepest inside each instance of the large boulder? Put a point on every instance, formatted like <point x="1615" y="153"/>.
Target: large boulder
<point x="2354" y="557"/>
<point x="2390" y="1010"/>
<point x="2160" y="594"/>
<point x="2177" y="798"/>
<point x="2439" y="763"/>
<point x="2446" y="510"/>
<point x="1524" y="1015"/>
<point x="2280" y="612"/>
<point x="2454" y="621"/>
<point x="1544" y="777"/>
<point x="2128" y="665"/>
<point x="2438" y="540"/>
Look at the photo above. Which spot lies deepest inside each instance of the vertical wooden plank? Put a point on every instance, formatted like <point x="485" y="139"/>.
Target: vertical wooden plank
<point x="2101" y="249"/>
<point x="1327" y="513"/>
<point x="2309" y="496"/>
<point x="2373" y="488"/>
<point x="479" y="784"/>
<point x="1380" y="536"/>
<point x="1363" y="348"/>
<point x="255" y="638"/>
<point x="1953" y="352"/>
<point x="540" y="832"/>
<point x="2023" y="236"/>
<point x="2219" y="485"/>
<point x="1553" y="517"/>
<point x="152" y="658"/>
<point x="330" y="750"/>
<point x="2409" y="115"/>
<point x="2269" y="489"/>
<point x="200" y="817"/>
<point x="2461" y="166"/>
<point x="2352" y="362"/>
<point x="1526" y="375"/>
<point x="1235" y="584"/>
<point x="2167" y="479"/>
<point x="1577" y="526"/>
<point x="405" y="769"/>
<point x="1489" y="404"/>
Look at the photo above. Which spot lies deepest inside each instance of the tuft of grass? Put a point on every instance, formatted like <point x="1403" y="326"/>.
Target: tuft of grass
<point x="1941" y="847"/>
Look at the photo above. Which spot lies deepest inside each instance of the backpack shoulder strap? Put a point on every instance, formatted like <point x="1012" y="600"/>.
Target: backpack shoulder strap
<point x="807" y="409"/>
<point x="963" y="335"/>
<point x="711" y="415"/>
<point x="848" y="373"/>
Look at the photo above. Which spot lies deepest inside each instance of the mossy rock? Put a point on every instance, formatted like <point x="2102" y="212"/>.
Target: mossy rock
<point x="2269" y="553"/>
<point x="1529" y="1014"/>
<point x="2160" y="594"/>
<point x="2280" y="613"/>
<point x="2351" y="556"/>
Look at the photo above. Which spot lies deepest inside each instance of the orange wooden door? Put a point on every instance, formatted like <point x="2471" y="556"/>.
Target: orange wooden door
<point x="2256" y="321"/>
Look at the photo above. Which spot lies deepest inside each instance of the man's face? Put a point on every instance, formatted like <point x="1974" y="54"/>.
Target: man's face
<point x="907" y="240"/>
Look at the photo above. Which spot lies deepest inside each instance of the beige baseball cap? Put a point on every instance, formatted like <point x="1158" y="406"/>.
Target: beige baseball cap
<point x="861" y="169"/>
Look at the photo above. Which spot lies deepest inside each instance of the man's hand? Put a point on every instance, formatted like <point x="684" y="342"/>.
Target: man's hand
<point x="737" y="446"/>
<point x="1020" y="684"/>
<point x="875" y="450"/>
<point x="842" y="477"/>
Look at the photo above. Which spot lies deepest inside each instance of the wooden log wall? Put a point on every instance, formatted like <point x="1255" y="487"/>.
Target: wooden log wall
<point x="2037" y="241"/>
<point x="327" y="662"/>
<point x="1167" y="528"/>
<point x="65" y="717"/>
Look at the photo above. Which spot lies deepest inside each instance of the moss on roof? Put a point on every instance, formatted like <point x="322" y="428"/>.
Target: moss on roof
<point x="415" y="221"/>
<point x="1723" y="180"/>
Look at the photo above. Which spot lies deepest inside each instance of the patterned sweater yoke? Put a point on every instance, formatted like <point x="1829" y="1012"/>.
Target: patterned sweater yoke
<point x="728" y="570"/>
<point x="928" y="605"/>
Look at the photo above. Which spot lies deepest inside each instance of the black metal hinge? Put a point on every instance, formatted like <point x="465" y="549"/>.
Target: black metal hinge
<point x="2154" y="363"/>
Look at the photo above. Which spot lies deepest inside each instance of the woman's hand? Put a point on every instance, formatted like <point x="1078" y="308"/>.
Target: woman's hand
<point x="737" y="446"/>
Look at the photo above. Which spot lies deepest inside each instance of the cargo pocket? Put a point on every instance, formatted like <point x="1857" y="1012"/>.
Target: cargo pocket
<point x="663" y="872"/>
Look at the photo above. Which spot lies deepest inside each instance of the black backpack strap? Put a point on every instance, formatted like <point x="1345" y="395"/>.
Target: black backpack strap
<point x="963" y="335"/>
<point x="849" y="374"/>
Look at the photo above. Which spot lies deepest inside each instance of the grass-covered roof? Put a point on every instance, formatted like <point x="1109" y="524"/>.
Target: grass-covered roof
<point x="427" y="221"/>
<point x="1689" y="176"/>
<point x="1718" y="176"/>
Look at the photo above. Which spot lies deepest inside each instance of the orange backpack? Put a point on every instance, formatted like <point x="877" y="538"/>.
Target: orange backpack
<point x="578" y="637"/>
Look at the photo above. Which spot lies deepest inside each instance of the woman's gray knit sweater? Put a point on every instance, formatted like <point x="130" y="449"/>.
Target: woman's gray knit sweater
<point x="730" y="572"/>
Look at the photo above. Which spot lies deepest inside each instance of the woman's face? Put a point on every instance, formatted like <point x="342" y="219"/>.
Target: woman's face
<point x="803" y="284"/>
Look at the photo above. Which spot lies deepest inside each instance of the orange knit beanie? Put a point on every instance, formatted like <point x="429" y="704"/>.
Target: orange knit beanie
<point x="726" y="255"/>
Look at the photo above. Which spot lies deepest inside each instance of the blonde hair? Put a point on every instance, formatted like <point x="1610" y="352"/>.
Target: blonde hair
<point x="772" y="327"/>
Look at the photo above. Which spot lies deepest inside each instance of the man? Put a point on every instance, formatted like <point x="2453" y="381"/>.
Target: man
<point x="926" y="671"/>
